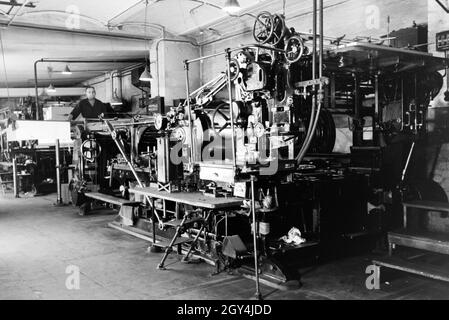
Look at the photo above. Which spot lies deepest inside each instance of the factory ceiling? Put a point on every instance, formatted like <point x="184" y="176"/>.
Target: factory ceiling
<point x="103" y="29"/>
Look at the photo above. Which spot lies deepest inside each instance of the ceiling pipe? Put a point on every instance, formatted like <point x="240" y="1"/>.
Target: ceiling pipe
<point x="107" y="25"/>
<point x="126" y="10"/>
<point x="158" y="26"/>
<point x="104" y="24"/>
<point x="77" y="31"/>
<point x="70" y="61"/>
<point x="123" y="72"/>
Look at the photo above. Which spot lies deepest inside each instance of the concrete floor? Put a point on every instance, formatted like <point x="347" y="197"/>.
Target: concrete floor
<point x="38" y="241"/>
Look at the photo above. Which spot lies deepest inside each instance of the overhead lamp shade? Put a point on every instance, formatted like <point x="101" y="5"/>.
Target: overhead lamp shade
<point x="66" y="70"/>
<point x="51" y="88"/>
<point x="146" y="75"/>
<point x="232" y="6"/>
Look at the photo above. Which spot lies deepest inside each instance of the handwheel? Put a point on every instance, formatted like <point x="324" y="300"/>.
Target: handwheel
<point x="215" y="124"/>
<point x="235" y="68"/>
<point x="263" y="27"/>
<point x="294" y="49"/>
<point x="278" y="29"/>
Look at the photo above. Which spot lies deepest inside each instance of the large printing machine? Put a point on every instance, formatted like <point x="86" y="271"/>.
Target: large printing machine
<point x="319" y="149"/>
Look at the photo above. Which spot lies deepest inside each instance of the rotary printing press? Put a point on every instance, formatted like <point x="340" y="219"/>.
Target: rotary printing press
<point x="261" y="145"/>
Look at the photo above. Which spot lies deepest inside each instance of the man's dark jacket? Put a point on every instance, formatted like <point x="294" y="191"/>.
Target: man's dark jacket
<point x="87" y="111"/>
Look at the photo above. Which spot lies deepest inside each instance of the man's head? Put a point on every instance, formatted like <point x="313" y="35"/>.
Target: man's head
<point x="90" y="93"/>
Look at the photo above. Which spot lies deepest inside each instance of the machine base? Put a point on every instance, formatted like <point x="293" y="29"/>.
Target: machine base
<point x="273" y="274"/>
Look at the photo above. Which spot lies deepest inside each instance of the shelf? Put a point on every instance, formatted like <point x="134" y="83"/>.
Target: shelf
<point x="424" y="240"/>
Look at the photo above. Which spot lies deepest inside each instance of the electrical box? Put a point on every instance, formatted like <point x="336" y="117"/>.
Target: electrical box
<point x="156" y="105"/>
<point x="442" y="41"/>
<point x="414" y="36"/>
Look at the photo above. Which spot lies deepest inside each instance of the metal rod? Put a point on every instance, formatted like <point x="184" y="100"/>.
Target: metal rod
<point x="231" y="116"/>
<point x="204" y="57"/>
<point x="408" y="161"/>
<point x="14" y="177"/>
<point x="321" y="40"/>
<point x="314" y="114"/>
<point x="314" y="41"/>
<point x="235" y="49"/>
<point x="58" y="174"/>
<point x="189" y="112"/>
<point x="186" y="257"/>
<point x="35" y="88"/>
<point x="377" y="111"/>
<point x="256" y="258"/>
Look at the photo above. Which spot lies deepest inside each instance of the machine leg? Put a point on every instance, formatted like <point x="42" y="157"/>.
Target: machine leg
<point x="15" y="178"/>
<point x="84" y="208"/>
<point x="169" y="249"/>
<point x="154" y="248"/>
<point x="390" y="248"/>
<point x="58" y="175"/>
<point x="186" y="257"/>
<point x="256" y="257"/>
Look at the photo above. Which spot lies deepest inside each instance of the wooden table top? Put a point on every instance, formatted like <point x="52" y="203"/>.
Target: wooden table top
<point x="196" y="199"/>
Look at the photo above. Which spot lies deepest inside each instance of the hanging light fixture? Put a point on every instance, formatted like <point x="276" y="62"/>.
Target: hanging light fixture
<point x="146" y="75"/>
<point x="51" y="88"/>
<point x="66" y="71"/>
<point x="232" y="6"/>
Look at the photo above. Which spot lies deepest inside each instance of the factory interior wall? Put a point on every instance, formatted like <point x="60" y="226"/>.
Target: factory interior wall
<point x="169" y="62"/>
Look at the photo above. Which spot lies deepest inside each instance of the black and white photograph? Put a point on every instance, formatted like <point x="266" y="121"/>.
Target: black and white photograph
<point x="224" y="157"/>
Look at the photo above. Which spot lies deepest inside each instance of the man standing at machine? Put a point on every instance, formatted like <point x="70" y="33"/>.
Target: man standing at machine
<point x="90" y="108"/>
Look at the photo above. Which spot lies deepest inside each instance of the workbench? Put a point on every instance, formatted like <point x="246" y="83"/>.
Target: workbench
<point x="196" y="199"/>
<point x="208" y="205"/>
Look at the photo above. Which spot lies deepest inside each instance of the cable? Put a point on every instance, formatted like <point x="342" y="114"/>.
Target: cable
<point x="4" y="65"/>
